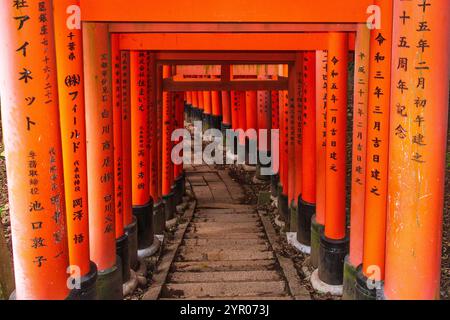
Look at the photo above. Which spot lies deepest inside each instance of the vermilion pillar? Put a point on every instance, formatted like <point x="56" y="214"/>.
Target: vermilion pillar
<point x="179" y="181"/>
<point x="283" y="204"/>
<point x="121" y="237"/>
<point x="251" y="125"/>
<point x="226" y="107"/>
<point x="294" y="148"/>
<point x="32" y="138"/>
<point x="167" y="165"/>
<point x="318" y="220"/>
<point x="129" y="221"/>
<point x="333" y="243"/>
<point x="307" y="201"/>
<point x="242" y="122"/>
<point x="68" y="39"/>
<point x="100" y="155"/>
<point x="298" y="137"/>
<point x="195" y="105"/>
<point x="201" y="105"/>
<point x="360" y="98"/>
<point x="159" y="221"/>
<point x="207" y="110"/>
<point x="264" y="115"/>
<point x="216" y="109"/>
<point x="419" y="123"/>
<point x="140" y="151"/>
<point x="275" y="123"/>
<point x="377" y="150"/>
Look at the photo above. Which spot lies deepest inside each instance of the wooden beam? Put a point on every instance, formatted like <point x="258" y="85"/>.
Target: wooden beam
<point x="226" y="41"/>
<point x="257" y="11"/>
<point x="158" y="27"/>
<point x="227" y="57"/>
<point x="280" y="84"/>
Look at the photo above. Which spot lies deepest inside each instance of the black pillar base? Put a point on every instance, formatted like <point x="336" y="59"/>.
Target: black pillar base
<point x="88" y="288"/>
<point x="316" y="231"/>
<point x="144" y="217"/>
<point x="259" y="166"/>
<point x="169" y="205"/>
<point x="206" y="121"/>
<point x="274" y="180"/>
<point x="332" y="255"/>
<point x="283" y="209"/>
<point x="179" y="189"/>
<point x="215" y="122"/>
<point x="122" y="252"/>
<point x="305" y="211"/>
<point x="362" y="290"/>
<point x="159" y="218"/>
<point x="188" y="112"/>
<point x="349" y="289"/>
<point x="293" y="218"/>
<point x="194" y="114"/>
<point x="109" y="283"/>
<point x="132" y="232"/>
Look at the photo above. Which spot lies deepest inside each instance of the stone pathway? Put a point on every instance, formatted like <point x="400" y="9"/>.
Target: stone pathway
<point x="225" y="252"/>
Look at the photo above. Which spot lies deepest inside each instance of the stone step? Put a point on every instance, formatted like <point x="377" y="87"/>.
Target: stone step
<point x="223" y="276"/>
<point x="217" y="255"/>
<point x="224" y="246"/>
<point x="223" y="242"/>
<point x="223" y="211"/>
<point x="230" y="265"/>
<point x="223" y="289"/>
<point x="223" y="229"/>
<point x="230" y="224"/>
<point x="236" y="235"/>
<point x="226" y="218"/>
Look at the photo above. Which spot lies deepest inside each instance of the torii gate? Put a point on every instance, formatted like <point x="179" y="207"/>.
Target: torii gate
<point x="403" y="248"/>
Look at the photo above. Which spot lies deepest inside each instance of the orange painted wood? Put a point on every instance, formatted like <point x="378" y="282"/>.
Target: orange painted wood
<point x="344" y="11"/>
<point x="309" y="128"/>
<point x="360" y="100"/>
<point x="32" y="138"/>
<point x="167" y="105"/>
<point x="335" y="227"/>
<point x="298" y="124"/>
<point x="417" y="158"/>
<point x="117" y="126"/>
<point x="377" y="145"/>
<point x="140" y="155"/>
<point x="226" y="107"/>
<point x="226" y="41"/>
<point x="216" y="107"/>
<point x="100" y="152"/>
<point x="126" y="138"/>
<point x="321" y="133"/>
<point x="73" y="133"/>
<point x="153" y="128"/>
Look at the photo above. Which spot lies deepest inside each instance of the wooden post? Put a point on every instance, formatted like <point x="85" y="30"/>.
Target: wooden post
<point x="318" y="220"/>
<point x="334" y="241"/>
<point x="69" y="45"/>
<point x="418" y="132"/>
<point x="100" y="155"/>
<point x="360" y="99"/>
<point x="307" y="199"/>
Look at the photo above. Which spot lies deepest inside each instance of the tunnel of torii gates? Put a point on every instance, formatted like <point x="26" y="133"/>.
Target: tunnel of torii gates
<point x="92" y="90"/>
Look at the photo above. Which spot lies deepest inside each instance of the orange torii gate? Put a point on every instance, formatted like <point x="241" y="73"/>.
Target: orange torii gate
<point x="312" y="28"/>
